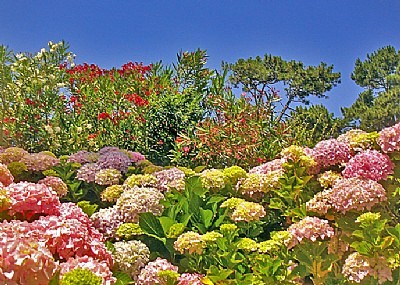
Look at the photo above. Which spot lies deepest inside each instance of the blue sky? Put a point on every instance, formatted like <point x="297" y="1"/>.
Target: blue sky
<point x="111" y="33"/>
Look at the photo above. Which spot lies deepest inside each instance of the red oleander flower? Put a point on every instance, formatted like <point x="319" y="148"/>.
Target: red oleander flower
<point x="103" y="115"/>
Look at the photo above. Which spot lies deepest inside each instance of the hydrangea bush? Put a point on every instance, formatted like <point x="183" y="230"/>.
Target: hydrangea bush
<point x="326" y="215"/>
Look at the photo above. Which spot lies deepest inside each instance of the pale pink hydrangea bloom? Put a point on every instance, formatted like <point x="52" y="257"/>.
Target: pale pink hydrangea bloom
<point x="6" y="177"/>
<point x="39" y="161"/>
<point x="331" y="152"/>
<point x="83" y="156"/>
<point x="139" y="200"/>
<point x="167" y="177"/>
<point x="389" y="139"/>
<point x="190" y="242"/>
<point x="149" y="274"/>
<point x="30" y="198"/>
<point x="190" y="279"/>
<point x="12" y="154"/>
<point x="348" y="194"/>
<point x="69" y="238"/>
<point x="356" y="267"/>
<point x="107" y="221"/>
<point x="55" y="183"/>
<point x="131" y="256"/>
<point x="269" y="166"/>
<point x="369" y="164"/>
<point x="309" y="228"/>
<point x="100" y="268"/>
<point x="87" y="172"/>
<point x="248" y="211"/>
<point x="25" y="261"/>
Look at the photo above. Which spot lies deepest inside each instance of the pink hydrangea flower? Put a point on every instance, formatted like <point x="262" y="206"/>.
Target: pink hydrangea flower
<point x="348" y="194"/>
<point x="100" y="268"/>
<point x="87" y="172"/>
<point x="55" y="183"/>
<point x="69" y="238"/>
<point x="389" y="139"/>
<point x="269" y="166"/>
<point x="39" y="161"/>
<point x="309" y="228"/>
<point x="190" y="279"/>
<point x="149" y="274"/>
<point x="331" y="152"/>
<point x="25" y="261"/>
<point x="6" y="177"/>
<point x="168" y="176"/>
<point x="369" y="164"/>
<point x="107" y="221"/>
<point x="30" y="199"/>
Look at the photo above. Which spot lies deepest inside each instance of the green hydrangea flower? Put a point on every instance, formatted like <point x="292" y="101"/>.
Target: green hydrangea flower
<point x="247" y="244"/>
<point x="80" y="276"/>
<point x="129" y="230"/>
<point x="50" y="172"/>
<point x="16" y="168"/>
<point x="212" y="179"/>
<point x="232" y="203"/>
<point x="141" y="180"/>
<point x="233" y="174"/>
<point x="188" y="172"/>
<point x="175" y="230"/>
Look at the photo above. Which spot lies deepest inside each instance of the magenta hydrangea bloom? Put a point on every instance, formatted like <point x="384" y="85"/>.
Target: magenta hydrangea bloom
<point x="190" y="279"/>
<point x="369" y="164"/>
<point x="30" y="199"/>
<point x="100" y="268"/>
<point x="389" y="139"/>
<point x="331" y="152"/>
<point x="149" y="274"/>
<point x="135" y="157"/>
<point x="6" y="177"/>
<point x="55" y="183"/>
<point x="309" y="228"/>
<point x="348" y="194"/>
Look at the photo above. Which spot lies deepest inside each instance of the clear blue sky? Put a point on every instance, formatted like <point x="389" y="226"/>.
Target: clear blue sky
<point x="110" y="33"/>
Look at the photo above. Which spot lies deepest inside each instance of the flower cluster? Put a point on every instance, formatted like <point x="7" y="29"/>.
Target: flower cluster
<point x="99" y="268"/>
<point x="141" y="180"/>
<point x="88" y="172"/>
<point x="389" y="139"/>
<point x="70" y="238"/>
<point x="369" y="164"/>
<point x="256" y="185"/>
<point x="139" y="200"/>
<point x="356" y="267"/>
<point x="247" y="244"/>
<point x="191" y="242"/>
<point x="310" y="228"/>
<point x="328" y="178"/>
<point x="6" y="177"/>
<point x="12" y="154"/>
<point x="112" y="193"/>
<point x="128" y="230"/>
<point x="29" y="199"/>
<point x="107" y="221"/>
<point x="248" y="211"/>
<point x="39" y="161"/>
<point x="233" y="174"/>
<point x="190" y="279"/>
<point x="107" y="176"/>
<point x="131" y="256"/>
<point x="272" y="165"/>
<point x="114" y="159"/>
<point x="348" y="194"/>
<point x="331" y="152"/>
<point x="150" y="274"/>
<point x="81" y="276"/>
<point x="212" y="179"/>
<point x="55" y="183"/>
<point x="135" y="157"/>
<point x="25" y="261"/>
<point x="169" y="178"/>
<point x="83" y="156"/>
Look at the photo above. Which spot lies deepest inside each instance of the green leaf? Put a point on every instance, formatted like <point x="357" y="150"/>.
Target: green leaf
<point x="207" y="217"/>
<point x="122" y="278"/>
<point x="166" y="223"/>
<point x="151" y="225"/>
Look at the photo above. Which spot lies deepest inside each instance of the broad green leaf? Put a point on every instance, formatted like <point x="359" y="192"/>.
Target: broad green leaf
<point x="151" y="225"/>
